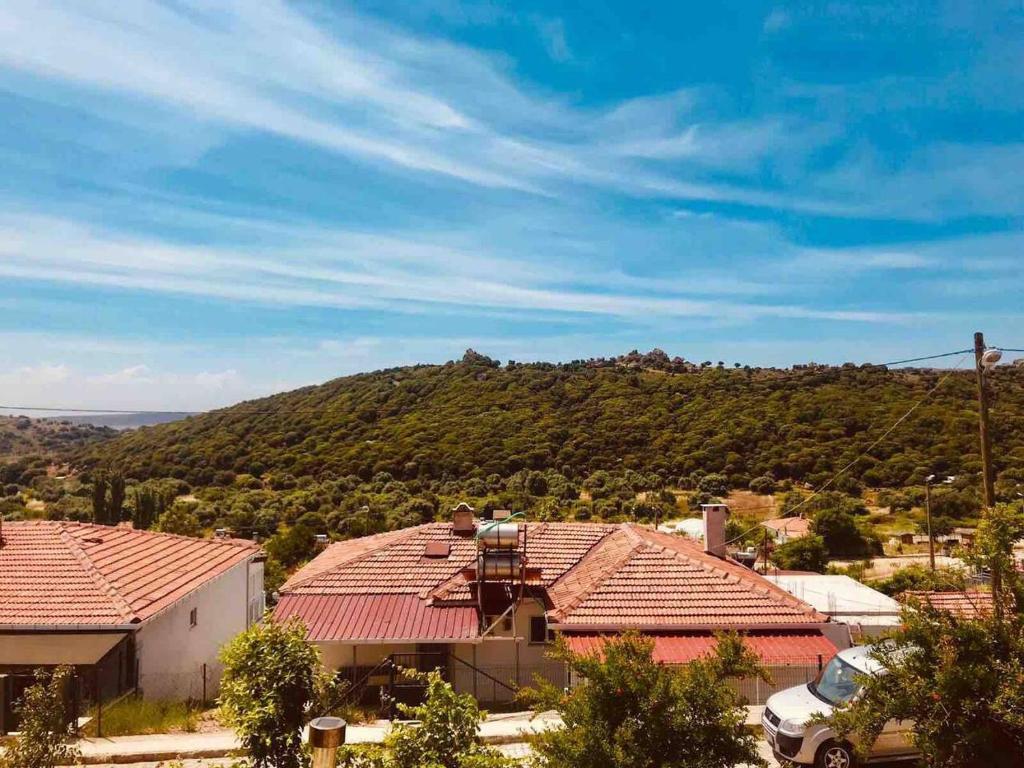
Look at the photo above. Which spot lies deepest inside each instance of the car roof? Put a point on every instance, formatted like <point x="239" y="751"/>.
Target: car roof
<point x="859" y="657"/>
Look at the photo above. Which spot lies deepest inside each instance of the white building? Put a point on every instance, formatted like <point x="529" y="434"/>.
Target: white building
<point x="866" y="611"/>
<point x="130" y="610"/>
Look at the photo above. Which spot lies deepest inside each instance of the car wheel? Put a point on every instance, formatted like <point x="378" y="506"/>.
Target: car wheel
<point x="834" y="754"/>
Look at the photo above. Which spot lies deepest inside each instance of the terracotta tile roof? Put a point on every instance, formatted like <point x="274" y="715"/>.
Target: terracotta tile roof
<point x="592" y="575"/>
<point x="670" y="581"/>
<point x="793" y="527"/>
<point x="379" y="617"/>
<point x="969" y="604"/>
<point x="63" y="573"/>
<point x="775" y="648"/>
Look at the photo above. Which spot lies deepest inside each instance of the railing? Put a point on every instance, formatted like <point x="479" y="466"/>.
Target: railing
<point x="756" y="691"/>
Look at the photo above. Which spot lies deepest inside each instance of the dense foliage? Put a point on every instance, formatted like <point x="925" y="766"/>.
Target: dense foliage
<point x="22" y="437"/>
<point x="630" y="712"/>
<point x="959" y="680"/>
<point x="272" y="681"/>
<point x="45" y="733"/>
<point x="473" y="419"/>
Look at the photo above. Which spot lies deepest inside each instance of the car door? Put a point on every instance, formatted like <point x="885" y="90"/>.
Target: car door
<point x="894" y="740"/>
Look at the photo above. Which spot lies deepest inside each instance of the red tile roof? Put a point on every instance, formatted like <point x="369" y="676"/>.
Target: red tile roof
<point x="378" y="617"/>
<point x="793" y="527"/>
<point x="596" y="576"/>
<point x="775" y="648"/>
<point x="970" y="604"/>
<point x="62" y="573"/>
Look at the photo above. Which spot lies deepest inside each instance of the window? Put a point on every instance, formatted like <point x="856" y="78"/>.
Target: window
<point x="193" y="617"/>
<point x="539" y="633"/>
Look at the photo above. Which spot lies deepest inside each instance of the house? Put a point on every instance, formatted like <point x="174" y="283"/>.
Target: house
<point x="691" y="526"/>
<point x="965" y="604"/>
<point x="483" y="601"/>
<point x="128" y="609"/>
<point x="867" y="612"/>
<point x="898" y="539"/>
<point x="783" y="529"/>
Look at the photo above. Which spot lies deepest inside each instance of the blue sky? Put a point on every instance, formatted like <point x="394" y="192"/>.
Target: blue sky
<point x="201" y="202"/>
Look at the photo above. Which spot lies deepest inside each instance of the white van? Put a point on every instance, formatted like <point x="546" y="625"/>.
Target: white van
<point x="794" y="740"/>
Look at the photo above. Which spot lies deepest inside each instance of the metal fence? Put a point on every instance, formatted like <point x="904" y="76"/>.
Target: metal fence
<point x="755" y="691"/>
<point x="498" y="684"/>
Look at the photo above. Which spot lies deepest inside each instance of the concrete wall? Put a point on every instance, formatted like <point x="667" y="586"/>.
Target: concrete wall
<point x="172" y="653"/>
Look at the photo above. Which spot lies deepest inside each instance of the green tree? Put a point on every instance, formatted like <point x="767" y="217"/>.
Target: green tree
<point x="840" y="533"/>
<point x="960" y="680"/>
<point x="714" y="484"/>
<point x="445" y="735"/>
<point x="99" y="498"/>
<point x="45" y="732"/>
<point x="272" y="682"/>
<point x="291" y="546"/>
<point x="804" y="554"/>
<point x="916" y="578"/>
<point x="115" y="504"/>
<point x="181" y="520"/>
<point x="630" y="712"/>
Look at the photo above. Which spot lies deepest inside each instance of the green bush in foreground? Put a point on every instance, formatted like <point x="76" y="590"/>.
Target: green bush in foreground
<point x="445" y="735"/>
<point x="45" y="735"/>
<point x="630" y="712"/>
<point x="272" y="681"/>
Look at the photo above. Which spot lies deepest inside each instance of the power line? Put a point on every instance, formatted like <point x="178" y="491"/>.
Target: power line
<point x="867" y="450"/>
<point x="930" y="357"/>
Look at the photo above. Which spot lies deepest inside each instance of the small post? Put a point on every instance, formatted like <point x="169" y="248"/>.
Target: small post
<point x="99" y="701"/>
<point x="204" y="684"/>
<point x="928" y="517"/>
<point x="819" y="662"/>
<point x="326" y="734"/>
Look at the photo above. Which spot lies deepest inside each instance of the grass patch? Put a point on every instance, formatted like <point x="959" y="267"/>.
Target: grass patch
<point x="134" y="716"/>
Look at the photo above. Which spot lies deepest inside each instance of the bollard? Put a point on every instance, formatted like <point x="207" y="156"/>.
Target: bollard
<point x="326" y="734"/>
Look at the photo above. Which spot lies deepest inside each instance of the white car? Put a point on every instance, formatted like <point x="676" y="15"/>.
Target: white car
<point x="793" y="739"/>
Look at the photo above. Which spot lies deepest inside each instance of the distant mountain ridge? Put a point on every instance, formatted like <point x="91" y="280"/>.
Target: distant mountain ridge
<point x="651" y="413"/>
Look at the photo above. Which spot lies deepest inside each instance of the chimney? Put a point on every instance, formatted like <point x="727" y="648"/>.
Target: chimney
<point x="463" y="523"/>
<point x="715" y="516"/>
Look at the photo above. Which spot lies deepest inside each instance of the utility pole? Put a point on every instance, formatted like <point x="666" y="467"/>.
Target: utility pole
<point x="988" y="483"/>
<point x="928" y="517"/>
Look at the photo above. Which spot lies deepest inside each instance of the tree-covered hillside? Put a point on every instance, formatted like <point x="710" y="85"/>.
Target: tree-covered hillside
<point x="45" y="438"/>
<point x="475" y="419"/>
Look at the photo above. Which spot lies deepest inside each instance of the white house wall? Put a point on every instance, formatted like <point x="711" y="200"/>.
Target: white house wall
<point x="171" y="653"/>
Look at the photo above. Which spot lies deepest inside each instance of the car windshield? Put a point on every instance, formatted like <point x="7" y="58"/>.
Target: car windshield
<point x="836" y="684"/>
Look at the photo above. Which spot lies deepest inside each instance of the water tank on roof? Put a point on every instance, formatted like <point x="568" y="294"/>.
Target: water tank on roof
<point x="501" y="564"/>
<point x="500" y="536"/>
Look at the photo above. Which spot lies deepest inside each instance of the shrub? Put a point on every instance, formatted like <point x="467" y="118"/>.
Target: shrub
<point x="44" y="740"/>
<point x="272" y="680"/>
<point x="630" y="712"/>
<point x="804" y="554"/>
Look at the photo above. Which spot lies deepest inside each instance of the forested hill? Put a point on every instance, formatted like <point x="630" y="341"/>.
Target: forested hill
<point x="476" y="419"/>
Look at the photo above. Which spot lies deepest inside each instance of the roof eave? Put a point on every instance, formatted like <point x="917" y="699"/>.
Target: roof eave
<point x="619" y="628"/>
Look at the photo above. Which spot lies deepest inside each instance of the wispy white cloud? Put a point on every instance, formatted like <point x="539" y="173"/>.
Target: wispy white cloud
<point x="352" y="271"/>
<point x="347" y="85"/>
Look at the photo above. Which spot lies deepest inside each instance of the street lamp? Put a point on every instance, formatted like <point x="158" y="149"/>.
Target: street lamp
<point x="326" y="734"/>
<point x="928" y="482"/>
